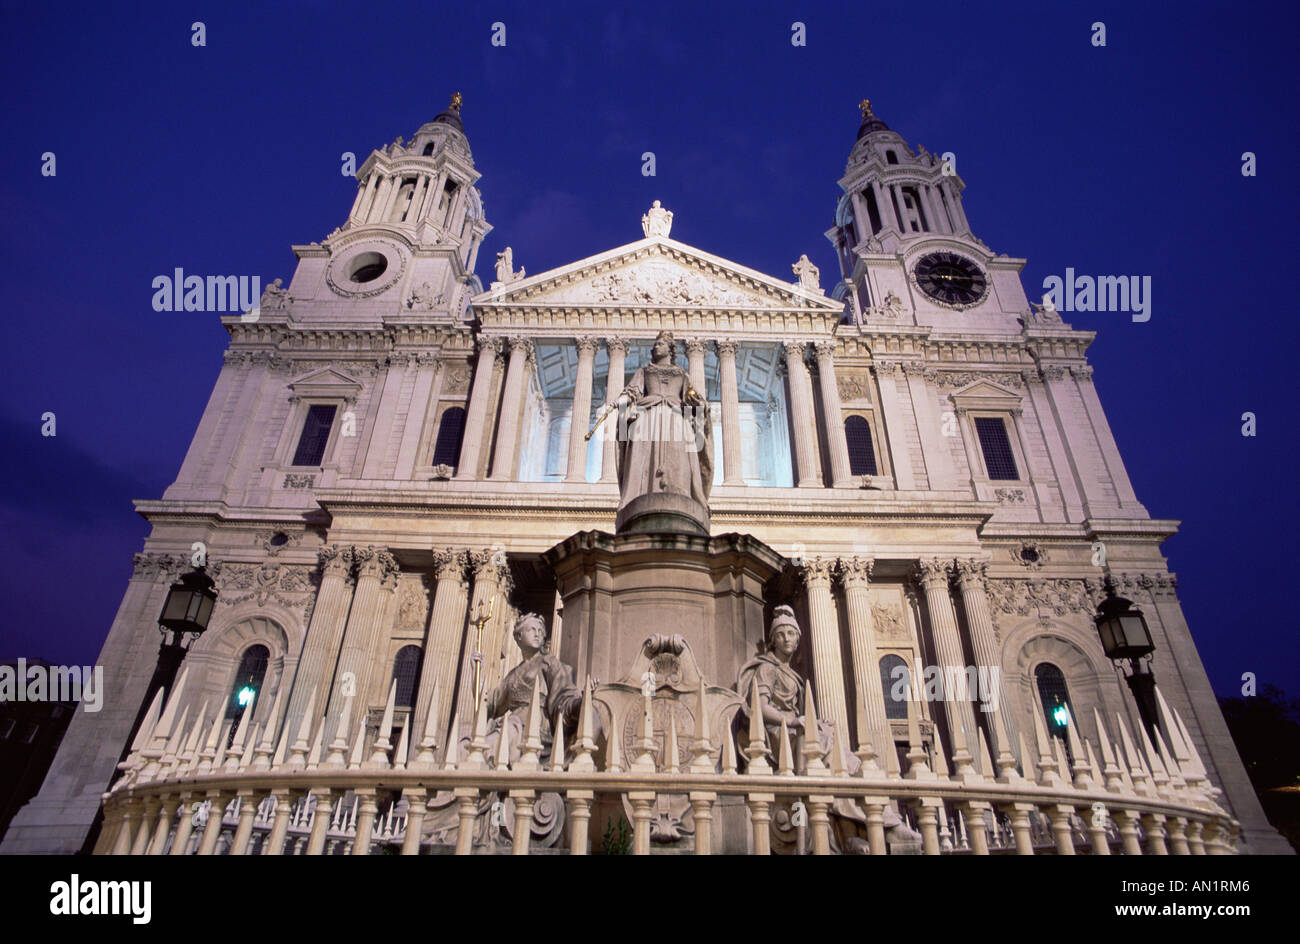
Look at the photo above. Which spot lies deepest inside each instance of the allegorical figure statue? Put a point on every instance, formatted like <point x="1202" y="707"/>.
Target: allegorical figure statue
<point x="509" y="702"/>
<point x="780" y="687"/>
<point x="665" y="436"/>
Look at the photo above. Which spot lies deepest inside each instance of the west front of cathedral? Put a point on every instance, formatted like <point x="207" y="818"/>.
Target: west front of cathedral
<point x="651" y="513"/>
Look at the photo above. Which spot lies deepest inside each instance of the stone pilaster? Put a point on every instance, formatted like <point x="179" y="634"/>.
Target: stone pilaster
<point x="828" y="663"/>
<point x="476" y="417"/>
<point x="803" y="418"/>
<point x="376" y="578"/>
<point x="732" y="467"/>
<point x="324" y="635"/>
<point x="614" y="384"/>
<point x="512" y="403"/>
<point x="841" y="474"/>
<point x="442" y="645"/>
<point x="856" y="574"/>
<point x="577" y="467"/>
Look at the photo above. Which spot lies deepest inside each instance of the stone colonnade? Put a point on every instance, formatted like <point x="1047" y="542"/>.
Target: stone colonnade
<point x="515" y="356"/>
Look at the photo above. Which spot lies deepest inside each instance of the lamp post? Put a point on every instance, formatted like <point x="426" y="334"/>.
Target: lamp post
<point x="1124" y="636"/>
<point x="185" y="612"/>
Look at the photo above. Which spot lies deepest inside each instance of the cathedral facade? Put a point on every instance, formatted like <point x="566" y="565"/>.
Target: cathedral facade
<point x="397" y="462"/>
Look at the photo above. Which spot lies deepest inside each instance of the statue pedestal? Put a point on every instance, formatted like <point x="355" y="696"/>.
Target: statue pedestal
<point x="618" y="590"/>
<point x="663" y="512"/>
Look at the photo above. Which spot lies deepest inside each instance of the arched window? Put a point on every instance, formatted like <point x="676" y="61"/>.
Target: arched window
<point x="451" y="428"/>
<point x="248" y="683"/>
<point x="862" y="455"/>
<point x="1055" y="698"/>
<point x="406" y="673"/>
<point x="891" y="157"/>
<point x="896" y="686"/>
<point x="428" y="149"/>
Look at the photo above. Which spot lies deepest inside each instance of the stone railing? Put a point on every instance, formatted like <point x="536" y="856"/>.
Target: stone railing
<point x="687" y="795"/>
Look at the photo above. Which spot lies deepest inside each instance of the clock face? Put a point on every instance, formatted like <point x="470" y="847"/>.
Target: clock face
<point x="950" y="279"/>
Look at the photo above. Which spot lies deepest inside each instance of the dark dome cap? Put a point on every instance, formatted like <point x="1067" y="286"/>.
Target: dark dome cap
<point x="870" y="122"/>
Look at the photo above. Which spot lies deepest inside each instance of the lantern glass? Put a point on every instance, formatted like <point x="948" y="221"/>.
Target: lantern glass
<point x="189" y="604"/>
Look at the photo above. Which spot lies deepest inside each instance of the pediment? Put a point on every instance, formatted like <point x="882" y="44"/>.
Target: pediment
<point x="984" y="394"/>
<point x="657" y="272"/>
<point x="325" y="382"/>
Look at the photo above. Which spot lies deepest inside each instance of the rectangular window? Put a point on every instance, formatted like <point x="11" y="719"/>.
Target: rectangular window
<point x="315" y="434"/>
<point x="998" y="458"/>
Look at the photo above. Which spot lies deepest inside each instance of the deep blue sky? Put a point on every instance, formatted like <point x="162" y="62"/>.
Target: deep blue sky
<point x="1122" y="160"/>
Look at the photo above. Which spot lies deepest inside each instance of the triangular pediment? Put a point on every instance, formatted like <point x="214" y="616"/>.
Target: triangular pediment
<point x="325" y="381"/>
<point x="985" y="388"/>
<point x="657" y="272"/>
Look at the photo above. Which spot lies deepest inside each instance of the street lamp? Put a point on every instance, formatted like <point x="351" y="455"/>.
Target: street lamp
<point x="1124" y="636"/>
<point x="185" y="612"/>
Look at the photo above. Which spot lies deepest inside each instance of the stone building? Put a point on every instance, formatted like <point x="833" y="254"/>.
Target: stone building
<point x="391" y="450"/>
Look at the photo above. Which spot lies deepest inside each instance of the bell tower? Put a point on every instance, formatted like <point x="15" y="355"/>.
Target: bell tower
<point x="905" y="247"/>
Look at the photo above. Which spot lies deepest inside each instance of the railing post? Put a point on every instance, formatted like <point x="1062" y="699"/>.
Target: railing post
<point x="524" y="800"/>
<point x="702" y="807"/>
<point x="130" y="817"/>
<point x="579" y="820"/>
<point x="165" y="817"/>
<point x="1059" y="814"/>
<point x="927" y="816"/>
<point x="1194" y="844"/>
<point x="1178" y="836"/>
<point x="112" y="826"/>
<point x="144" y="832"/>
<point x="1019" y="816"/>
<point x="467" y="811"/>
<point x="876" y="825"/>
<point x="284" y="803"/>
<point x="1100" y="839"/>
<point x="1154" y="824"/>
<point x="366" y="809"/>
<point x="244" y="831"/>
<point x="184" y="825"/>
<point x="760" y="816"/>
<point x="975" y="826"/>
<point x="820" y="821"/>
<point x="1128" y="833"/>
<point x="320" y="823"/>
<point x="416" y="798"/>
<point x="216" y="813"/>
<point x="642" y="801"/>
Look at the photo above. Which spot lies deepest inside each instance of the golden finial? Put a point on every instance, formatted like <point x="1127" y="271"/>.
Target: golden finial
<point x="456" y="101"/>
<point x="865" y="106"/>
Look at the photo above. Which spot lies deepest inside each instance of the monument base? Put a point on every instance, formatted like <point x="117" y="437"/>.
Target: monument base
<point x="663" y="512"/>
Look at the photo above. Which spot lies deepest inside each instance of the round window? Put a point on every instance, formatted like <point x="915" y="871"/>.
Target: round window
<point x="367" y="267"/>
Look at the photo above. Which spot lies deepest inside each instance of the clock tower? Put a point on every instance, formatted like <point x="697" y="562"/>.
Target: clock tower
<point x="905" y="247"/>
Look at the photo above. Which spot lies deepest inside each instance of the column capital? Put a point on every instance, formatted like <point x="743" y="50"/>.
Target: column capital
<point x="616" y="344"/>
<point x="825" y="349"/>
<point x="449" y="564"/>
<point x="1081" y="371"/>
<point x="488" y="564"/>
<point x="519" y="342"/>
<point x="887" y="367"/>
<point x="794" y="350"/>
<point x="856" y="571"/>
<point x="586" y="345"/>
<point x="817" y="572"/>
<point x="726" y="347"/>
<point x="492" y="343"/>
<point x="696" y="346"/>
<point x="335" y="559"/>
<point x="973" y="572"/>
<point x="933" y="573"/>
<point x="375" y="562"/>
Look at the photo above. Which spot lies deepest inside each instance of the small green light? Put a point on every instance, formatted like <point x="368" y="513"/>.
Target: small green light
<point x="246" y="694"/>
<point x="1060" y="716"/>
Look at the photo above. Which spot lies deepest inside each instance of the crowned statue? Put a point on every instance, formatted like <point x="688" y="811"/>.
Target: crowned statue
<point x="665" y="435"/>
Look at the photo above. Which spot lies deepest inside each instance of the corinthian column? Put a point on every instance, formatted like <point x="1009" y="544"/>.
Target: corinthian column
<point x="577" y="468"/>
<point x="841" y="474"/>
<point x="803" y="418"/>
<point x="613" y="387"/>
<point x="489" y="350"/>
<point x="732" y="467"/>
<point x="856" y="573"/>
<point x="376" y="578"/>
<point x="446" y="624"/>
<point x="321" y="647"/>
<point x="490" y="576"/>
<point x="972" y="576"/>
<point x="933" y="574"/>
<point x="828" y="664"/>
<point x="512" y="404"/>
<point x="695" y="359"/>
